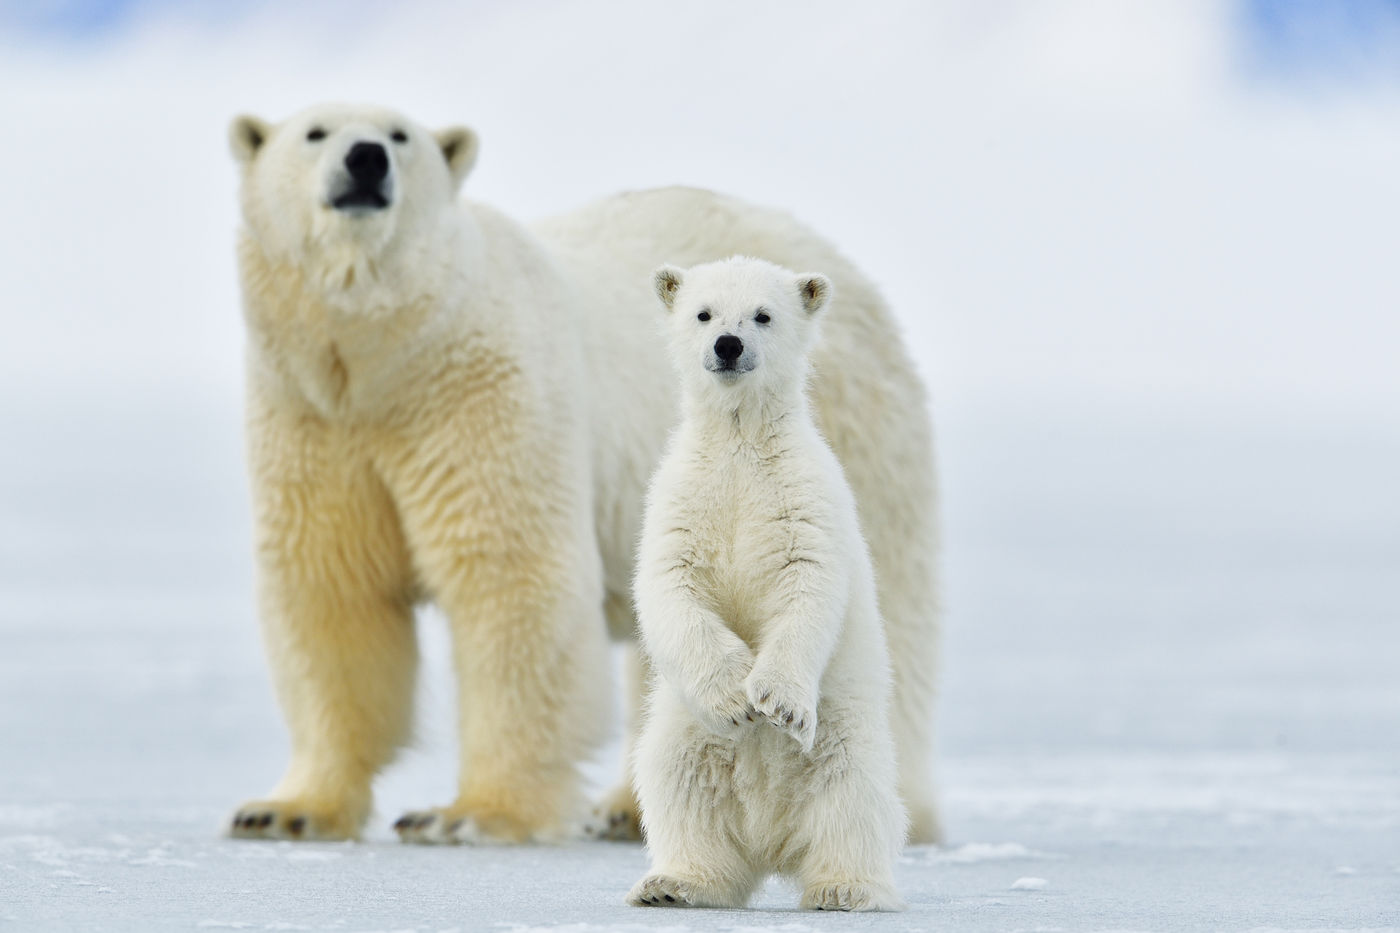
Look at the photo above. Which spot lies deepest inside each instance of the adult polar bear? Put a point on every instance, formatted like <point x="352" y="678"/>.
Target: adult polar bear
<point x="443" y="404"/>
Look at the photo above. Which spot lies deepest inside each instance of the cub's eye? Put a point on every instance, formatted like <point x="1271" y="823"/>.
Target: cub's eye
<point x="703" y="315"/>
<point x="399" y="136"/>
<point x="316" y="135"/>
<point x="762" y="317"/>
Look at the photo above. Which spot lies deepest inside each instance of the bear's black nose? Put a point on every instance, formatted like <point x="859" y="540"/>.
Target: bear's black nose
<point x="367" y="163"/>
<point x="728" y="348"/>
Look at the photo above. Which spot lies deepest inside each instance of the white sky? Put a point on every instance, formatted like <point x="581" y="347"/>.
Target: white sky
<point x="1080" y="204"/>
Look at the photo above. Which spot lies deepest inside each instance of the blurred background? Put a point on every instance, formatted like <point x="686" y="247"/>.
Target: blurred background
<point x="1145" y="255"/>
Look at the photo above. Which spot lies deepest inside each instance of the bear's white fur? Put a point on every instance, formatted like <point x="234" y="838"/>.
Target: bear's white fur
<point x="767" y="746"/>
<point x="445" y="405"/>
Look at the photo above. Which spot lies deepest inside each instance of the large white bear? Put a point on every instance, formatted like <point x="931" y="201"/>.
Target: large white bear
<point x="444" y="405"/>
<point x="767" y="743"/>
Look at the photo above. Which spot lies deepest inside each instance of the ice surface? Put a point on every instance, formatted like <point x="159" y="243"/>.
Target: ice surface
<point x="1156" y="306"/>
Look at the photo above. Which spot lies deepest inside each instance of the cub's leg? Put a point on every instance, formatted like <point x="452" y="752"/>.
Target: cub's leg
<point x="691" y="814"/>
<point x="504" y="544"/>
<point x="849" y="824"/>
<point x="335" y="593"/>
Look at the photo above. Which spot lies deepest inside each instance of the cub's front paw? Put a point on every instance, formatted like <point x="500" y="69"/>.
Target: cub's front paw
<point x="728" y="714"/>
<point x="721" y="702"/>
<point x="785" y="705"/>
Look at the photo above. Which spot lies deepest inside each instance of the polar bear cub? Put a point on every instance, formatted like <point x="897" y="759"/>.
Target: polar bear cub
<point x="767" y="746"/>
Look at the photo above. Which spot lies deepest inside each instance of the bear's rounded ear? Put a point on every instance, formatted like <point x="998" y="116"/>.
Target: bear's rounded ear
<point x="246" y="136"/>
<point x="459" y="147"/>
<point x="667" y="281"/>
<point x="815" y="292"/>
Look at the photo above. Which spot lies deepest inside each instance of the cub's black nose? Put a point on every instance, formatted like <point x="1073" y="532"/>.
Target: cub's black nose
<point x="728" y="348"/>
<point x="367" y="163"/>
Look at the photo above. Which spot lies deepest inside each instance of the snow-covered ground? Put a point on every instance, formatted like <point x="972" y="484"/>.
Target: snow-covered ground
<point x="1155" y="297"/>
<point x="1177" y="706"/>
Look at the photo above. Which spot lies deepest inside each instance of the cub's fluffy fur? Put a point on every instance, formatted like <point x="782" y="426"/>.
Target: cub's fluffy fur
<point x="767" y="746"/>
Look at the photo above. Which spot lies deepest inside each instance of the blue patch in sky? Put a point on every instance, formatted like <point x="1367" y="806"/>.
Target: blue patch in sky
<point x="96" y="19"/>
<point x="1347" y="40"/>
<point x="77" y="19"/>
<point x="1329" y="39"/>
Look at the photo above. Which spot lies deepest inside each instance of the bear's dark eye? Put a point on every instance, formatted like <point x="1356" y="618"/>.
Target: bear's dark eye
<point x="762" y="317"/>
<point x="399" y="136"/>
<point x="703" y="315"/>
<point x="316" y="135"/>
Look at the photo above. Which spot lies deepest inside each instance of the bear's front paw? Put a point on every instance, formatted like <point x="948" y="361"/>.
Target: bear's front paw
<point x="785" y="705"/>
<point x="294" y="819"/>
<point x="453" y="826"/>
<point x="435" y="827"/>
<point x="488" y="817"/>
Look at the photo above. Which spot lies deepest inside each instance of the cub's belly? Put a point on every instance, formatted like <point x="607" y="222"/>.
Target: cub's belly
<point x="747" y="587"/>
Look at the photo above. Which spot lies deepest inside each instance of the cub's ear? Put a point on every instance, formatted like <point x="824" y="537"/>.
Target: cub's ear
<point x="459" y="147"/>
<point x="815" y="292"/>
<point x="246" y="136"/>
<point x="667" y="281"/>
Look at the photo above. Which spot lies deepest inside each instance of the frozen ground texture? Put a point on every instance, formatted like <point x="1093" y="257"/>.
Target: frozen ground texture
<point x="1174" y="726"/>
<point x="1155" y="303"/>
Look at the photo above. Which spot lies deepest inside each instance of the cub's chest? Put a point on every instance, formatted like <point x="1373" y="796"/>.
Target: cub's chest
<point x="740" y="518"/>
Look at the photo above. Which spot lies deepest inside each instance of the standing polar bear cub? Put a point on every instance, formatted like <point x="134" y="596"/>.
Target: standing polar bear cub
<point x="446" y="405"/>
<point x="767" y="746"/>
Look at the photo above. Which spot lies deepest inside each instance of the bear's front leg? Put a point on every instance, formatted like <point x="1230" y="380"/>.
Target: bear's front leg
<point x="503" y="540"/>
<point x="335" y="592"/>
<point x="532" y="676"/>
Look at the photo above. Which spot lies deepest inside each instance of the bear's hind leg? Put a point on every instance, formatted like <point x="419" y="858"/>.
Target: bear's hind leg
<point x="618" y="816"/>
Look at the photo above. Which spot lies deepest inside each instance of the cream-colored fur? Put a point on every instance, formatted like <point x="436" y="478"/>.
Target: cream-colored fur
<point x="445" y="405"/>
<point x="767" y="746"/>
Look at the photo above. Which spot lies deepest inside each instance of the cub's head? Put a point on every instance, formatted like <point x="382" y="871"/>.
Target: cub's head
<point x="342" y="174"/>
<point x="741" y="325"/>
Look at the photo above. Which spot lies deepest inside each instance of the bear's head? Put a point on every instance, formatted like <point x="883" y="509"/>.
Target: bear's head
<point x="741" y="326"/>
<point x="341" y="176"/>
